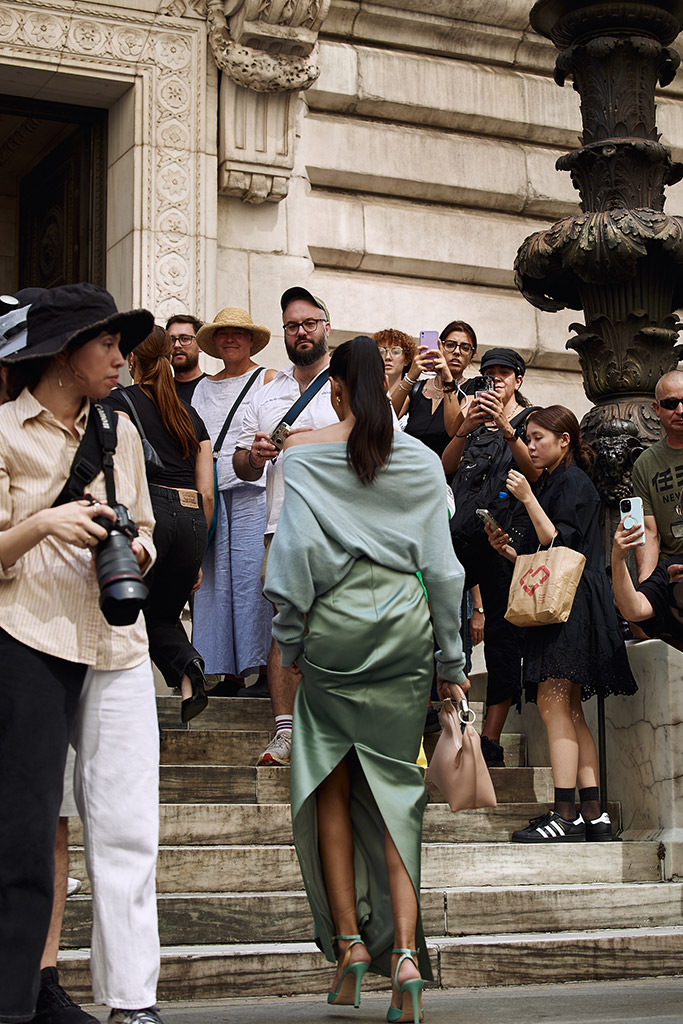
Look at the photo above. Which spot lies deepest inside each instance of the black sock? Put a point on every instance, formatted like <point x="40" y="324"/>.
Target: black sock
<point x="565" y="803"/>
<point x="589" y="798"/>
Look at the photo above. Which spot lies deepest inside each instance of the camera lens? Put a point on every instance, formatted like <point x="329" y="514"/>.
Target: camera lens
<point x="122" y="591"/>
<point x="626" y="505"/>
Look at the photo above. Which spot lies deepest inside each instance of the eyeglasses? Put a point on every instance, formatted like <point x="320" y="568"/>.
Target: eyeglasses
<point x="396" y="351"/>
<point x="464" y="346"/>
<point x="183" y="339"/>
<point x="670" y="403"/>
<point x="292" y="328"/>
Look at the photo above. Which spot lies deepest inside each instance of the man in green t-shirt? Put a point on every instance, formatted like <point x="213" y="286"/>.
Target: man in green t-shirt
<point x="658" y="479"/>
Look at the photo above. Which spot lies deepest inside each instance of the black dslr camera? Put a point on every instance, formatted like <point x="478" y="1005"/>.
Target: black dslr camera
<point x="122" y="591"/>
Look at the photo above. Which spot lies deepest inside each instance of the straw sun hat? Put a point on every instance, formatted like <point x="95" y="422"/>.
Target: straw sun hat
<point x="232" y="316"/>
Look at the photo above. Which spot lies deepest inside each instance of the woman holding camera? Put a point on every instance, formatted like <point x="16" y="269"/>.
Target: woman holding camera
<point x="568" y="662"/>
<point x="182" y="499"/>
<point x="67" y="673"/>
<point x="353" y="621"/>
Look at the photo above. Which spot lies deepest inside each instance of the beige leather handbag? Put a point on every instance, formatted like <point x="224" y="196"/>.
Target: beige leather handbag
<point x="458" y="769"/>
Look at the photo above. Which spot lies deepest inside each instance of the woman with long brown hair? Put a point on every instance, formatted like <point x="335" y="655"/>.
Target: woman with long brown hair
<point x="354" y="623"/>
<point x="567" y="663"/>
<point x="182" y="499"/>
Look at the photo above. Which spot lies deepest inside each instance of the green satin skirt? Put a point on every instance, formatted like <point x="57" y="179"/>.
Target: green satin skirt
<point x="366" y="675"/>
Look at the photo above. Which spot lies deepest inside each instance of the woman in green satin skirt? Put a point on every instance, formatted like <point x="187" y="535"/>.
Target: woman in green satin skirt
<point x="354" y="620"/>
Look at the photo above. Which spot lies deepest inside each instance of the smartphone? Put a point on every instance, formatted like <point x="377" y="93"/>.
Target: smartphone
<point x="487" y="518"/>
<point x="482" y="384"/>
<point x="430" y="339"/>
<point x="631" y="512"/>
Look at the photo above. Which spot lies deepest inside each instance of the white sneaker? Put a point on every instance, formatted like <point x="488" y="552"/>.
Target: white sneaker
<point x="278" y="751"/>
<point x="150" y="1015"/>
<point x="73" y="885"/>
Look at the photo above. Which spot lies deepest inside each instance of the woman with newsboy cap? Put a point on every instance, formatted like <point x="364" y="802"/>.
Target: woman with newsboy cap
<point x="67" y="673"/>
<point x="231" y="618"/>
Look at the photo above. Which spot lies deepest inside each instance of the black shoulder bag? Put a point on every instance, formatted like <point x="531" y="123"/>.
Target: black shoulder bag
<point x="154" y="467"/>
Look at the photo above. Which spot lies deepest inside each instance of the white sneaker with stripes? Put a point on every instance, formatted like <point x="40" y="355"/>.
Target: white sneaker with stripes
<point x="551" y="828"/>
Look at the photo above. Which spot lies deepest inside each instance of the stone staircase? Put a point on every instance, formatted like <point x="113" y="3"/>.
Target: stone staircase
<point x="234" y="920"/>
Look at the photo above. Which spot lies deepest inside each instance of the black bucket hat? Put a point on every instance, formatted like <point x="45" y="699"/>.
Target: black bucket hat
<point x="71" y="313"/>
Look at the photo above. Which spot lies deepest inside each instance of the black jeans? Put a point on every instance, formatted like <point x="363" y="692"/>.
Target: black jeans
<point x="180" y="540"/>
<point x="38" y="702"/>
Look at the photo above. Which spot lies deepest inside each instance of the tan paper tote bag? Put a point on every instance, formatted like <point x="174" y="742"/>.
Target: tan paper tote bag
<point x="457" y="768"/>
<point x="543" y="586"/>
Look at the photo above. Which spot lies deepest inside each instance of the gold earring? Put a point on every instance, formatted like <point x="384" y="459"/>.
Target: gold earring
<point x="338" y="399"/>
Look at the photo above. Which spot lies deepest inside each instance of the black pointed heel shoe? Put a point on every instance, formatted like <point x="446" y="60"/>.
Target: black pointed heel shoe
<point x="194" y="705"/>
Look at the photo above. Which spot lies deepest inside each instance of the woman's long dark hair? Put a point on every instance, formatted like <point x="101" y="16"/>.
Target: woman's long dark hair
<point x="359" y="365"/>
<point x="153" y="357"/>
<point x="560" y="420"/>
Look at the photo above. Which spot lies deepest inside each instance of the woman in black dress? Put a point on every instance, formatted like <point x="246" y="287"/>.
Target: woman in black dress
<point x="182" y="499"/>
<point x="569" y="662"/>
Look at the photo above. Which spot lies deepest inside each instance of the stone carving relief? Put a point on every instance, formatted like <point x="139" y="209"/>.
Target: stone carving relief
<point x="170" y="257"/>
<point x="267" y="51"/>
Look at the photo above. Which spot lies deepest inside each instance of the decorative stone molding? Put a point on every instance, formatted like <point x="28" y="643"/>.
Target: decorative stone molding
<point x="168" y="58"/>
<point x="268" y="51"/>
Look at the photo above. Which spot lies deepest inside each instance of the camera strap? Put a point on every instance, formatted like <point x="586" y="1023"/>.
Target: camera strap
<point x="302" y="401"/>
<point x="94" y="453"/>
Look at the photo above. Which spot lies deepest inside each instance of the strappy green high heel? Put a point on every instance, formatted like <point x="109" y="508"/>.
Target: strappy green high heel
<point x="348" y="989"/>
<point x="411" y="988"/>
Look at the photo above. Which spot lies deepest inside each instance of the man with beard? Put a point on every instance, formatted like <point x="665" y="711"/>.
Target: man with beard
<point x="182" y="329"/>
<point x="306" y="329"/>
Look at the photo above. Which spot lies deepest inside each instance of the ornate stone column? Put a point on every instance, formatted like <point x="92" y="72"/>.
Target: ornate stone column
<point x="619" y="260"/>
<point x="268" y="52"/>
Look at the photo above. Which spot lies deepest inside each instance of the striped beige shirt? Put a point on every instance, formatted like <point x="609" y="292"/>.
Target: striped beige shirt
<point x="49" y="599"/>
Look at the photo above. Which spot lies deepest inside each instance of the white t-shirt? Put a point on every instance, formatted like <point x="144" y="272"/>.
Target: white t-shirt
<point x="213" y="400"/>
<point x="263" y="412"/>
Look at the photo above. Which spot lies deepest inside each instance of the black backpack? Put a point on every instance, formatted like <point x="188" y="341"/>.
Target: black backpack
<point x="478" y="483"/>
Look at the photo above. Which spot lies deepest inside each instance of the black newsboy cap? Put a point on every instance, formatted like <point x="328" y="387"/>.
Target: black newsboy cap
<point x="76" y="313"/>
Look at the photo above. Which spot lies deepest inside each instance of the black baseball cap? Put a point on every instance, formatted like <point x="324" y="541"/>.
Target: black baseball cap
<point x="302" y="293"/>
<point x="503" y="357"/>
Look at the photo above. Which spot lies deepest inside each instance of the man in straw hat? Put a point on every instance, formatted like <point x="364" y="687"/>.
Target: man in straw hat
<point x="231" y="617"/>
<point x="67" y="672"/>
<point x="306" y="325"/>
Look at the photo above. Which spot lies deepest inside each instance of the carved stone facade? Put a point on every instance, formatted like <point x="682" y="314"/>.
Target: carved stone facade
<point x="268" y="52"/>
<point x="158" y="195"/>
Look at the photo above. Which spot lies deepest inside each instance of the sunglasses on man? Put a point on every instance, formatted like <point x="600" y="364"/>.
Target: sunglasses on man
<point x="670" y="403"/>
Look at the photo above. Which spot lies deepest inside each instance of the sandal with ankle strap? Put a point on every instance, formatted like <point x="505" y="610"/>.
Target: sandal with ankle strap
<point x="348" y="989"/>
<point x="410" y="992"/>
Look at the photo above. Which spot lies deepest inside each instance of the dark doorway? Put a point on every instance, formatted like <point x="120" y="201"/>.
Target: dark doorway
<point x="53" y="167"/>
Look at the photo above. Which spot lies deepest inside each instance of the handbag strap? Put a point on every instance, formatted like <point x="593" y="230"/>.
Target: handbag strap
<point x="122" y="392"/>
<point x="95" y="452"/>
<point x="231" y="415"/>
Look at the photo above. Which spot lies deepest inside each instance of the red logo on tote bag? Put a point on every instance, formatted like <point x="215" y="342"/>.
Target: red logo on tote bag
<point x="531" y="573"/>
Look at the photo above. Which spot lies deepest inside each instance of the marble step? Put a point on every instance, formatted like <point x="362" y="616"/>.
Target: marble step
<point x="244" y="970"/>
<point x="221" y="784"/>
<point x="215" y="824"/>
<point x="219" y="918"/>
<point x="275" y="868"/>
<point x="242" y="746"/>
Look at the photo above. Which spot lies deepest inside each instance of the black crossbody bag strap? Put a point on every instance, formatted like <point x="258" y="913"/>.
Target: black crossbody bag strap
<point x="231" y="415"/>
<point x="121" y="392"/>
<point x="94" y="453"/>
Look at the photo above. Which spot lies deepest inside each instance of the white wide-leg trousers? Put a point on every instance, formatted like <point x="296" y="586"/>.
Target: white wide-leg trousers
<point x="116" y="783"/>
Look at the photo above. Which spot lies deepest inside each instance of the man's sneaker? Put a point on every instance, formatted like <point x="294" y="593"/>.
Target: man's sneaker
<point x="493" y="753"/>
<point x="278" y="751"/>
<point x="599" y="830"/>
<point x="73" y="885"/>
<point x="551" y="828"/>
<point x="148" y="1016"/>
<point x="54" y="1005"/>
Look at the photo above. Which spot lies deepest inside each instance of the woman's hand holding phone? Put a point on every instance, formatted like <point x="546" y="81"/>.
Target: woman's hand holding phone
<point x="626" y="541"/>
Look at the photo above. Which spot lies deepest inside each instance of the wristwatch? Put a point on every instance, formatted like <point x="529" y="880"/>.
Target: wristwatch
<point x="480" y="610"/>
<point x="449" y="385"/>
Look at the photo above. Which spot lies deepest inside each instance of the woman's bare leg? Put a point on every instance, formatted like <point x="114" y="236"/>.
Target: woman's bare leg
<point x="554" y="705"/>
<point x="335" y="843"/>
<point x="588" y="773"/>
<point x="404" y="911"/>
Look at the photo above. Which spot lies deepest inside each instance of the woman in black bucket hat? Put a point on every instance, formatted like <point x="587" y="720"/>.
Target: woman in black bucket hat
<point x="68" y="673"/>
